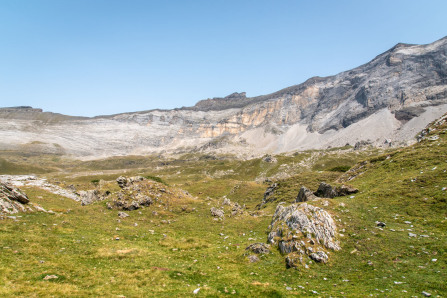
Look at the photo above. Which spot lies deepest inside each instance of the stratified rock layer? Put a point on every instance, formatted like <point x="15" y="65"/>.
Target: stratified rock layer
<point x="380" y="103"/>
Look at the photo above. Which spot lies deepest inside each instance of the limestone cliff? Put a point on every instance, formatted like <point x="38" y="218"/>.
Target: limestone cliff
<point x="390" y="98"/>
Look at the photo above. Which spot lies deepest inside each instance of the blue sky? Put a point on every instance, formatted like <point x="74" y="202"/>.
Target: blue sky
<point x="94" y="57"/>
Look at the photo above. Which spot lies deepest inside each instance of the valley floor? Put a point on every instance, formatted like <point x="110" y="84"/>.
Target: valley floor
<point x="176" y="247"/>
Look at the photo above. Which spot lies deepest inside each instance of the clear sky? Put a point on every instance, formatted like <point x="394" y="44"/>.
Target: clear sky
<point x="94" y="57"/>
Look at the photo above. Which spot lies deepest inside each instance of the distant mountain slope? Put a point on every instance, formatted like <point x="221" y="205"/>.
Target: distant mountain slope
<point x="388" y="99"/>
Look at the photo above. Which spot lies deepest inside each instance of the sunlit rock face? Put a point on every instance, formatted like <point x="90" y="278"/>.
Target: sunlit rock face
<point x="386" y="101"/>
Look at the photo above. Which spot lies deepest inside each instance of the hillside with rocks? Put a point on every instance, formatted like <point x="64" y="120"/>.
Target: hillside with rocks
<point x="384" y="102"/>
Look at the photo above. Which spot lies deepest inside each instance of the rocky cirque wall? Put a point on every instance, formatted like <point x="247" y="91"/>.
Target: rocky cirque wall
<point x="389" y="99"/>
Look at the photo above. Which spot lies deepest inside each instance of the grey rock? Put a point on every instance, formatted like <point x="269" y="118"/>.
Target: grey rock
<point x="346" y="190"/>
<point x="319" y="256"/>
<point x="12" y="200"/>
<point x="123" y="214"/>
<point x="269" y="159"/>
<point x="219" y="213"/>
<point x="301" y="229"/>
<point x="426" y="294"/>
<point x="411" y="235"/>
<point x="253" y="258"/>
<point x="305" y="195"/>
<point x="268" y="195"/>
<point x="380" y="224"/>
<point x="326" y="191"/>
<point x="258" y="248"/>
<point x="90" y="196"/>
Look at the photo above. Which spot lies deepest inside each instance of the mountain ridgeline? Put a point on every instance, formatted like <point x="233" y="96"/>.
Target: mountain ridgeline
<point x="385" y="101"/>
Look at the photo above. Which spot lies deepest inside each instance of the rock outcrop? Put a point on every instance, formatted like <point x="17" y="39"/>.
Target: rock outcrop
<point x="303" y="230"/>
<point x="88" y="197"/>
<point x="139" y="192"/>
<point x="12" y="200"/>
<point x="324" y="191"/>
<point x="305" y="194"/>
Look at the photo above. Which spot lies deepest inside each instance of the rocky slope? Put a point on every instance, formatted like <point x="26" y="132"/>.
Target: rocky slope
<point x="387" y="100"/>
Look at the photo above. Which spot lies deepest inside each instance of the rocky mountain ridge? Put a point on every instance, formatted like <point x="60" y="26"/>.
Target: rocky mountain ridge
<point x="387" y="100"/>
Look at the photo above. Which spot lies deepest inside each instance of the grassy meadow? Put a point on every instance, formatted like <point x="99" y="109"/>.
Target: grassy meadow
<point x="175" y="247"/>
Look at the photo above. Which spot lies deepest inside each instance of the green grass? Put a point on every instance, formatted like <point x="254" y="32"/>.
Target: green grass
<point x="180" y="249"/>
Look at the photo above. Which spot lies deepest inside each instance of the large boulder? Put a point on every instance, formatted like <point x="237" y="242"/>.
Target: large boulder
<point x="303" y="230"/>
<point x="326" y="191"/>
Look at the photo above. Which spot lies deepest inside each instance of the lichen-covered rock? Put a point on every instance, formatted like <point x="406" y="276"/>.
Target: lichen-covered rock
<point x="12" y="200"/>
<point x="302" y="230"/>
<point x="124" y="182"/>
<point x="216" y="212"/>
<point x="319" y="256"/>
<point x="135" y="202"/>
<point x="259" y="248"/>
<point x="305" y="195"/>
<point x="90" y="196"/>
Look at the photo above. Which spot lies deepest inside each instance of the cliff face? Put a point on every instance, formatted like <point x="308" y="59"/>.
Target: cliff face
<point x="391" y="97"/>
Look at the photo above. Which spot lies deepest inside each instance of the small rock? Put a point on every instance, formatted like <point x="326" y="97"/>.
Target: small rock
<point x="48" y="277"/>
<point x="253" y="258"/>
<point x="426" y="294"/>
<point x="196" y="291"/>
<point x="219" y="213"/>
<point x="411" y="235"/>
<point x="380" y="224"/>
<point x="289" y="289"/>
<point x="123" y="214"/>
<point x="259" y="248"/>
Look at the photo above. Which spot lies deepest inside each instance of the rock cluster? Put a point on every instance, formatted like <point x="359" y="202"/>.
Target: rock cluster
<point x="136" y="192"/>
<point x="232" y="208"/>
<point x="324" y="191"/>
<point x="301" y="230"/>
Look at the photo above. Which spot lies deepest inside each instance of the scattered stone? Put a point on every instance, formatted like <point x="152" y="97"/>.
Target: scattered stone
<point x="426" y="294"/>
<point x="123" y="214"/>
<point x="253" y="258"/>
<point x="305" y="195"/>
<point x="411" y="235"/>
<point x="259" y="248"/>
<point x="219" y="213"/>
<point x="270" y="159"/>
<point x="380" y="224"/>
<point x="48" y="277"/>
<point x="196" y="291"/>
